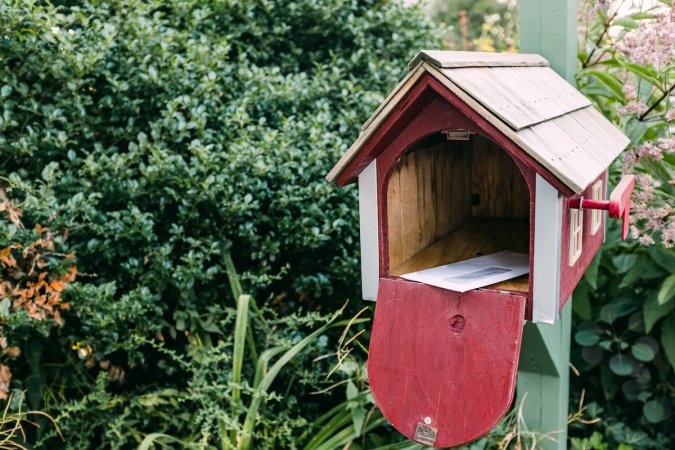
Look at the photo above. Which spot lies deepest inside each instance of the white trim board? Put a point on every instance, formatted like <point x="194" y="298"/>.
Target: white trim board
<point x="547" y="248"/>
<point x="370" y="261"/>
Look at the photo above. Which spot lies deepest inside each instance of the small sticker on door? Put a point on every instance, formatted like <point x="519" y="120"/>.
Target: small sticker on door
<point x="425" y="434"/>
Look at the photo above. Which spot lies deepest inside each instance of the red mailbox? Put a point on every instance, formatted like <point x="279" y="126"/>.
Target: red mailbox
<point x="473" y="154"/>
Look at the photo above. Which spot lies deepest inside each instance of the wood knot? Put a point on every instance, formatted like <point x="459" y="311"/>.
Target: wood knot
<point x="457" y="324"/>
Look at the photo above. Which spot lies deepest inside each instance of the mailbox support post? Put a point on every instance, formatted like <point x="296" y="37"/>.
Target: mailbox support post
<point x="548" y="27"/>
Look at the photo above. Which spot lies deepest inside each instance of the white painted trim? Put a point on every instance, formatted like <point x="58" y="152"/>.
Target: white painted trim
<point x="576" y="235"/>
<point x="547" y="249"/>
<point x="370" y="258"/>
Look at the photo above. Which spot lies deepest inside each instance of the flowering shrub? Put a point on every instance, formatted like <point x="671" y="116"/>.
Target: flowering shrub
<point x="625" y="304"/>
<point x="629" y="69"/>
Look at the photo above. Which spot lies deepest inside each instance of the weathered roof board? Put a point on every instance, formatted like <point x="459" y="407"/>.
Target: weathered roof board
<point x="519" y="96"/>
<point x="527" y="101"/>
<point x="444" y="59"/>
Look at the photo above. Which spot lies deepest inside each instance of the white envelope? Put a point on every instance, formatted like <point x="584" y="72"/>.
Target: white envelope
<point x="474" y="273"/>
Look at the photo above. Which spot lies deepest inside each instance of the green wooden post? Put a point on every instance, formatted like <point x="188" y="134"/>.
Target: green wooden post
<point x="548" y="27"/>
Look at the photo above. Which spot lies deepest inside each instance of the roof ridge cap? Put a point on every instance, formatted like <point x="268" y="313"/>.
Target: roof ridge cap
<point x="446" y="59"/>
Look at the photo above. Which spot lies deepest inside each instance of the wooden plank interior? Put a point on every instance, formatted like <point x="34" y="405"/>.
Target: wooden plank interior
<point x="476" y="237"/>
<point x="428" y="196"/>
<point x="497" y="186"/>
<point x="449" y="201"/>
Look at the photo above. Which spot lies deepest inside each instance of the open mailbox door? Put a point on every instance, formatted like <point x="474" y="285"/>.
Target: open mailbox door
<point x="442" y="365"/>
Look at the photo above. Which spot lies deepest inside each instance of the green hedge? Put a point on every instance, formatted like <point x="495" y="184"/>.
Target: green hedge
<point x="154" y="137"/>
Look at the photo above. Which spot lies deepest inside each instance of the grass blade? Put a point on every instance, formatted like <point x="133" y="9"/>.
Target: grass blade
<point x="267" y="380"/>
<point x="240" y="327"/>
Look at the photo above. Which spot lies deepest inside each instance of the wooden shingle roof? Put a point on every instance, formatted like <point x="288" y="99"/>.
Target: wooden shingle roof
<point x="523" y="98"/>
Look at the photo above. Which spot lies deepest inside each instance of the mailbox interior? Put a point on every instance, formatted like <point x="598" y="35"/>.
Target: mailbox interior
<point x="448" y="201"/>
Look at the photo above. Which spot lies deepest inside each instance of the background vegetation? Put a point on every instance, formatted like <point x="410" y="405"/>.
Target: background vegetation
<point x="143" y="143"/>
<point x="157" y="156"/>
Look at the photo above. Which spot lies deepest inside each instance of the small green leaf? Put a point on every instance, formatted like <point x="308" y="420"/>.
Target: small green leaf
<point x="631" y="389"/>
<point x="356" y="408"/>
<point x="606" y="344"/>
<point x="643" y="73"/>
<point x="642" y="15"/>
<point x="621" y="364"/>
<point x="586" y="338"/>
<point x="352" y="390"/>
<point x="593" y="355"/>
<point x="582" y="305"/>
<point x="624" y="262"/>
<point x="668" y="339"/>
<point x="609" y="383"/>
<point x="636" y="322"/>
<point x="667" y="291"/>
<point x="591" y="274"/>
<point x="653" y="311"/>
<point x="654" y="411"/>
<point x="619" y="307"/>
<point x="635" y="129"/>
<point x="4" y="307"/>
<point x="643" y="352"/>
<point x="607" y="79"/>
<point x="663" y="258"/>
<point x="626" y="22"/>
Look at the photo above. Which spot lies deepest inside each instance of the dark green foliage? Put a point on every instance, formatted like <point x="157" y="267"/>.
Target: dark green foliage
<point x="480" y="25"/>
<point x="624" y="338"/>
<point x="159" y="136"/>
<point x="624" y="304"/>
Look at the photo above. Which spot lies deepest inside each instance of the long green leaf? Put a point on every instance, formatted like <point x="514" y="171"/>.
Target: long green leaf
<point x="653" y="311"/>
<point x="668" y="339"/>
<point x="237" y="291"/>
<point x="644" y="73"/>
<point x="340" y="420"/>
<point x="232" y="276"/>
<point x="608" y="80"/>
<point x="342" y="438"/>
<point x="246" y="438"/>
<point x="406" y="445"/>
<point x="156" y="438"/>
<point x="263" y="362"/>
<point x="626" y="22"/>
<point x="240" y="327"/>
<point x="667" y="291"/>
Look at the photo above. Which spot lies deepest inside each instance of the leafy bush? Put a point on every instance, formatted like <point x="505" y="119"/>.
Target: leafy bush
<point x="153" y="139"/>
<point x="625" y="303"/>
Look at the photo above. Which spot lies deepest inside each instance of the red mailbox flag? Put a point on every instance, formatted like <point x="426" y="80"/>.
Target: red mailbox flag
<point x="618" y="204"/>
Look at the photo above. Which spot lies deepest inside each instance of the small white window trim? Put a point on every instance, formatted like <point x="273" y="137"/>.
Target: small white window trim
<point x="576" y="234"/>
<point x="596" y="216"/>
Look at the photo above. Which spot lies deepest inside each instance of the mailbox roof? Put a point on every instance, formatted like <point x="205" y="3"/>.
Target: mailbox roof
<point x="526" y="100"/>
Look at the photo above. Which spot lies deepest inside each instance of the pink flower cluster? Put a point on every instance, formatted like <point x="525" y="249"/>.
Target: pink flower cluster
<point x="635" y="107"/>
<point x="650" y="217"/>
<point x="652" y="43"/>
<point x="648" y="150"/>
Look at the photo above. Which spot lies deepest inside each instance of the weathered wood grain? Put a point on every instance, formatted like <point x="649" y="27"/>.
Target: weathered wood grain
<point x="427" y="197"/>
<point x="446" y="357"/>
<point x="474" y="238"/>
<point x="532" y="106"/>
<point x="443" y="59"/>
<point x="497" y="186"/>
<point x="434" y="192"/>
